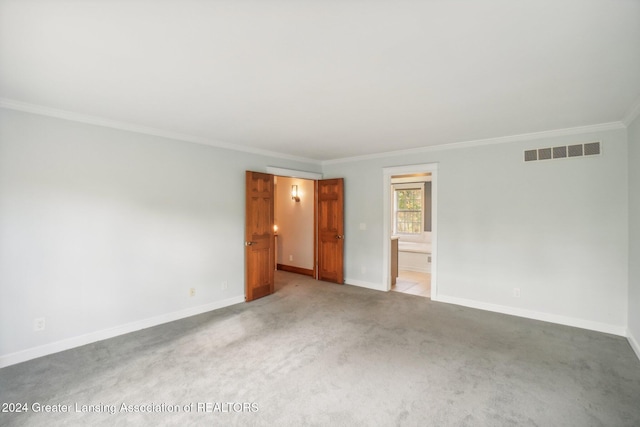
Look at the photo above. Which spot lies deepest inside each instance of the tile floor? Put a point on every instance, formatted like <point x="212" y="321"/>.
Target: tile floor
<point x="412" y="282"/>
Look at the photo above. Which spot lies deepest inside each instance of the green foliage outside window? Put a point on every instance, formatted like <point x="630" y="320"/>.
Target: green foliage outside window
<point x="409" y="211"/>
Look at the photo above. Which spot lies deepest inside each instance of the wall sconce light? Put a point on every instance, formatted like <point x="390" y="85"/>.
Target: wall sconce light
<point x="294" y="193"/>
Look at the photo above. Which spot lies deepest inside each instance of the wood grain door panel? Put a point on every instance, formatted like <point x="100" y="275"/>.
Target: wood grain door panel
<point x="330" y="216"/>
<point x="259" y="241"/>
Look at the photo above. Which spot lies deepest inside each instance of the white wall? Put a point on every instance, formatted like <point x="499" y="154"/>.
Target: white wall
<point x="104" y="231"/>
<point x="557" y="230"/>
<point x="295" y="222"/>
<point x="634" y="234"/>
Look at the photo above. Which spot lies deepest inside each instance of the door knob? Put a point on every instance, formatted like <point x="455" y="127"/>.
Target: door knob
<point x="249" y="243"/>
<point x="339" y="236"/>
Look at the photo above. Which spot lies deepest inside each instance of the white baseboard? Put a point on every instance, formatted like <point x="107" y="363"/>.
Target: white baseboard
<point x="363" y="284"/>
<point x="55" y="347"/>
<point x="426" y="269"/>
<point x="536" y="315"/>
<point x="69" y="343"/>
<point x="634" y="343"/>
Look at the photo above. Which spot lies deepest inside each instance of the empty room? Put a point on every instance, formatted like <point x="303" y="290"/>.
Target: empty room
<point x="264" y="213"/>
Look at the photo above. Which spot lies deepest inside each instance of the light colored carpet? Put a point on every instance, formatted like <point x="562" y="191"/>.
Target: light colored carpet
<point x="322" y="354"/>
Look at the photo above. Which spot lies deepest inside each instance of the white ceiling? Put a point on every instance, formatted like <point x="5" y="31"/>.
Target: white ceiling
<point x="327" y="79"/>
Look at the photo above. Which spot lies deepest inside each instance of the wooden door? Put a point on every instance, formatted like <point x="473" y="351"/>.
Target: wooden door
<point x="259" y="240"/>
<point x="330" y="196"/>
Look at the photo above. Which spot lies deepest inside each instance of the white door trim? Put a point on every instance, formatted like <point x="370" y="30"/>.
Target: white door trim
<point x="387" y="173"/>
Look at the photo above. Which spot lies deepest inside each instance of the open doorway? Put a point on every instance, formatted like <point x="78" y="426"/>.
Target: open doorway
<point x="410" y="229"/>
<point x="411" y="233"/>
<point x="259" y="254"/>
<point x="305" y="219"/>
<point x="294" y="225"/>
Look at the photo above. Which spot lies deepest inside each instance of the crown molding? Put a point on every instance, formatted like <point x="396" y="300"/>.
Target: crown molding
<point x="632" y="113"/>
<point x="131" y="127"/>
<point x="481" y="142"/>
<point x="629" y="117"/>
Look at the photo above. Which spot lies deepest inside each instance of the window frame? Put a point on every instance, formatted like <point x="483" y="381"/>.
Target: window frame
<point x="407" y="186"/>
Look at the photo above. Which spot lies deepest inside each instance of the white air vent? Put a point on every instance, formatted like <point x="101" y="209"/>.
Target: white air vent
<point x="544" y="153"/>
<point x="592" y="149"/>
<point x="530" y="155"/>
<point x="559" y="152"/>
<point x="575" y="150"/>
<point x="563" y="152"/>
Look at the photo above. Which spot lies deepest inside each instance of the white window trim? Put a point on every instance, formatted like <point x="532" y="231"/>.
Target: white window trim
<point x="408" y="186"/>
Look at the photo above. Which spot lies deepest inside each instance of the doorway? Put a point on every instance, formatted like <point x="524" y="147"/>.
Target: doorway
<point x="324" y="207"/>
<point x="410" y="229"/>
<point x="411" y="233"/>
<point x="310" y="227"/>
<point x="294" y="225"/>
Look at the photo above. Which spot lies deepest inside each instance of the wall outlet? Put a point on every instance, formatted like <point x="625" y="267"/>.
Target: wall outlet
<point x="516" y="292"/>
<point x="363" y="269"/>
<point x="363" y="226"/>
<point x="224" y="285"/>
<point x="38" y="324"/>
<point x="290" y="257"/>
<point x="192" y="292"/>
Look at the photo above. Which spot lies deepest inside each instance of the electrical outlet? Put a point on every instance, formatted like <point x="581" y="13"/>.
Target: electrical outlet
<point x="290" y="257"/>
<point x="363" y="269"/>
<point x="192" y="292"/>
<point x="38" y="324"/>
<point x="224" y="285"/>
<point x="516" y="292"/>
<point x="363" y="226"/>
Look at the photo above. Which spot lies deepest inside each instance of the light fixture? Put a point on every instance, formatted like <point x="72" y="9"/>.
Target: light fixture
<point x="294" y="193"/>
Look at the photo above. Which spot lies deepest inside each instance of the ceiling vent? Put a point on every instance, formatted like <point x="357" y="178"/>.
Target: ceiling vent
<point x="563" y="152"/>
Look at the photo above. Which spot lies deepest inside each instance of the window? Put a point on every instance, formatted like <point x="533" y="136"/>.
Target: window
<point x="408" y="211"/>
